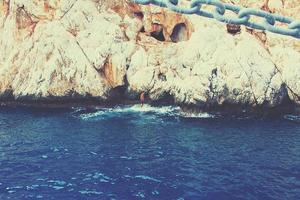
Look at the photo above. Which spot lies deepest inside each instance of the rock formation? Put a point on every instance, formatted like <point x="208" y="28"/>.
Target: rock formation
<point x="108" y="49"/>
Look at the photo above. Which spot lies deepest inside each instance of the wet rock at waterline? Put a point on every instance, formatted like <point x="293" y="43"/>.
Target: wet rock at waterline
<point x="81" y="49"/>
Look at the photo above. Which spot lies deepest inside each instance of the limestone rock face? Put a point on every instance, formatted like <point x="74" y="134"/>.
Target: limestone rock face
<point x="82" y="54"/>
<point x="81" y="49"/>
<point x="209" y="69"/>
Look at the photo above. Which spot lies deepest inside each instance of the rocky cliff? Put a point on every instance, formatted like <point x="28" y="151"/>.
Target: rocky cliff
<point x="111" y="50"/>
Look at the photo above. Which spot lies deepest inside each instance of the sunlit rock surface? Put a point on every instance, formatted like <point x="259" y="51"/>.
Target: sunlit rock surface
<point x="82" y="49"/>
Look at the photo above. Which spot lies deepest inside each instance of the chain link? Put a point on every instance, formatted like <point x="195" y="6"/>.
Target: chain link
<point x="243" y="15"/>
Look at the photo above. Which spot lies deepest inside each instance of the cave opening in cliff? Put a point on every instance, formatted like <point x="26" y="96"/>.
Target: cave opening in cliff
<point x="139" y="15"/>
<point x="117" y="94"/>
<point x="143" y="29"/>
<point x="165" y="99"/>
<point x="179" y="33"/>
<point x="158" y="33"/>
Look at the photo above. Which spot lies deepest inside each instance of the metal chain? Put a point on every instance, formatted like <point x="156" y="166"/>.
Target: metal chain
<point x="243" y="15"/>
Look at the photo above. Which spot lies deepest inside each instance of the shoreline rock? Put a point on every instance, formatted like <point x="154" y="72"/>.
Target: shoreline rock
<point x="111" y="51"/>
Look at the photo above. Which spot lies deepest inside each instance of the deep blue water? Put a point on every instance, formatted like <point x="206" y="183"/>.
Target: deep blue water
<point x="150" y="153"/>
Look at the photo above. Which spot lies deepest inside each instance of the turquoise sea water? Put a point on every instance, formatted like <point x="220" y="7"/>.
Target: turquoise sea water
<point x="131" y="152"/>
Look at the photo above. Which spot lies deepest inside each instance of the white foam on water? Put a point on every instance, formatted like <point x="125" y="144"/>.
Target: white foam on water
<point x="142" y="109"/>
<point x="147" y="178"/>
<point x="135" y="109"/>
<point x="77" y="109"/>
<point x="90" y="192"/>
<point x="87" y="116"/>
<point x="148" y="108"/>
<point x="295" y="118"/>
<point x="146" y="111"/>
<point x="203" y="115"/>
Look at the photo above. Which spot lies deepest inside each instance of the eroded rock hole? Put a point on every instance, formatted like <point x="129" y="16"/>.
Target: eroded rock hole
<point x="158" y="32"/>
<point x="162" y="77"/>
<point x="180" y="33"/>
<point x="139" y="15"/>
<point x="142" y="29"/>
<point x="233" y="29"/>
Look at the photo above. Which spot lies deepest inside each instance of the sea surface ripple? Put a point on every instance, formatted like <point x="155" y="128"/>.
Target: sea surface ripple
<point x="134" y="152"/>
